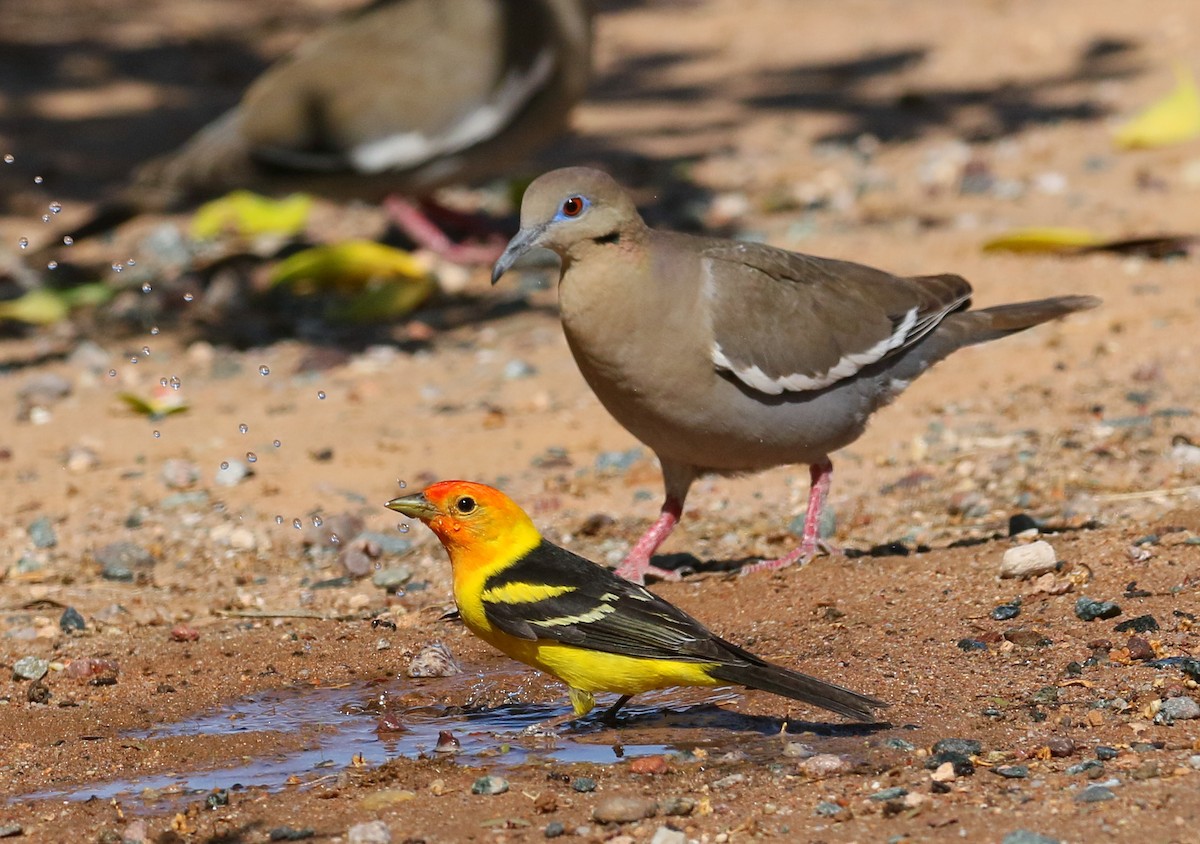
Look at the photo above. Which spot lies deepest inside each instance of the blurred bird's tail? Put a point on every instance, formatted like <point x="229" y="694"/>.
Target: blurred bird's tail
<point x="781" y="681"/>
<point x="970" y="327"/>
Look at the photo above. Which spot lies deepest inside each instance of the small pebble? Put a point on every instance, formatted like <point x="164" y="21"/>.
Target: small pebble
<point x="648" y="765"/>
<point x="1137" y="624"/>
<point x="1105" y="753"/>
<point x="825" y="809"/>
<point x="517" y="368"/>
<point x="11" y="830"/>
<point x="945" y="773"/>
<point x="372" y="832"/>
<point x="183" y="633"/>
<point x="1027" y="637"/>
<point x="960" y="746"/>
<point x="291" y="833"/>
<point x="621" y="809"/>
<point x="893" y="793"/>
<point x="1059" y="746"/>
<point x="41" y="532"/>
<point x="1005" y="612"/>
<point x="71" y="621"/>
<point x="900" y="744"/>
<point x="554" y="829"/>
<point x="1095" y="794"/>
<point x="666" y="835"/>
<point x="1089" y="609"/>
<point x="824" y="765"/>
<point x="1179" y="709"/>
<point x="1024" y="836"/>
<point x="30" y="668"/>
<point x="179" y="474"/>
<point x="232" y="473"/>
<point x="1011" y="772"/>
<point x="434" y="660"/>
<point x="676" y="806"/>
<point x="583" y="785"/>
<point x="1139" y="648"/>
<point x="392" y="578"/>
<point x="1090" y="767"/>
<point x="489" y="785"/>
<point x="728" y="782"/>
<point x="798" y="750"/>
<point x="1029" y="560"/>
<point x="117" y="557"/>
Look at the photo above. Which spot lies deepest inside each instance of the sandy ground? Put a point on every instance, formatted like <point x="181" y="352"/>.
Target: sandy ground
<point x="839" y="128"/>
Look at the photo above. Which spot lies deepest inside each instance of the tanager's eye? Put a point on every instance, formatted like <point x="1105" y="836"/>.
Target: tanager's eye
<point x="466" y="504"/>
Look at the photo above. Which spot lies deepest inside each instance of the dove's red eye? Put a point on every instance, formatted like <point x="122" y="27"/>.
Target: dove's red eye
<point x="573" y="206"/>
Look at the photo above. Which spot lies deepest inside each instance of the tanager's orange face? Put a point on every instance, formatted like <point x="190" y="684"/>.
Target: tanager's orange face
<point x="475" y="522"/>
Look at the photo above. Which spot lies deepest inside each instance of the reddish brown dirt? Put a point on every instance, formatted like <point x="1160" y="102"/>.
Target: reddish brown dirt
<point x="1074" y="423"/>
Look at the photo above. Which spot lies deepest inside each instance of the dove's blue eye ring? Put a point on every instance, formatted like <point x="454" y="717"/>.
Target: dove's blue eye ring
<point x="572" y="207"/>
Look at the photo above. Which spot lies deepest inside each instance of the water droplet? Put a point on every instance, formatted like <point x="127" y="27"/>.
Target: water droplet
<point x="251" y="457"/>
<point x="117" y="266"/>
<point x="112" y="373"/>
<point x="264" y="370"/>
<point x="23" y="242"/>
<point x="175" y="382"/>
<point x="297" y="524"/>
<point x="55" y="207"/>
<point x="243" y="428"/>
<point x="162" y="382"/>
<point x="146" y="351"/>
<point x="404" y="528"/>
<point x="277" y="443"/>
<point x="317" y="521"/>
<point x="45" y="218"/>
<point x="52" y="265"/>
<point x="154" y="331"/>
<point x="37" y="180"/>
<point x="279" y="520"/>
<point x="378" y="565"/>
<point x="8" y="158"/>
<point x="130" y="262"/>
<point x="157" y="435"/>
<point x="146" y="288"/>
<point x="187" y="297"/>
<point x="321" y="395"/>
<point x="133" y="359"/>
<point x="402" y="484"/>
<point x="333" y="537"/>
<point x="224" y="465"/>
<point x="68" y="240"/>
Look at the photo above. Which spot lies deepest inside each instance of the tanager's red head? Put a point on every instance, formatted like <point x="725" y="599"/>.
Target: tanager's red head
<point x="474" y="521"/>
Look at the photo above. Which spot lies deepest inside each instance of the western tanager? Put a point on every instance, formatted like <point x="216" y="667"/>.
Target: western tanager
<point x="595" y="631"/>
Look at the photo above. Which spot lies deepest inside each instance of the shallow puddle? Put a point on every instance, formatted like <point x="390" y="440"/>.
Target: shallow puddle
<point x="367" y="724"/>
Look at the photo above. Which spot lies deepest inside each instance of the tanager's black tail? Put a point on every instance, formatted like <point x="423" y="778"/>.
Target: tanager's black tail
<point x="762" y="675"/>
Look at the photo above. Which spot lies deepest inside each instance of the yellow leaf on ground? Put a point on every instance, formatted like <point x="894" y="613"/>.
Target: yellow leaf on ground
<point x="1172" y="120"/>
<point x="1051" y="239"/>
<point x="246" y="214"/>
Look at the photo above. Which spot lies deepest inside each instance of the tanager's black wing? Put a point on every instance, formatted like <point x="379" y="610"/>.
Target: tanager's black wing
<point x="553" y="594"/>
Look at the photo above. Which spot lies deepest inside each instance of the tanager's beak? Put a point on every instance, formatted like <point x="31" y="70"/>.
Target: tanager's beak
<point x="414" y="506"/>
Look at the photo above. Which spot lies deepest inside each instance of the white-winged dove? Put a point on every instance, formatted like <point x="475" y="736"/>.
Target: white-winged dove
<point x="727" y="357"/>
<point x="402" y="96"/>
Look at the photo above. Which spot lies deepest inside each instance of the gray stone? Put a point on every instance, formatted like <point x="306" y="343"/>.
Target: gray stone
<point x="1024" y="836"/>
<point x="666" y="835"/>
<point x="392" y="578"/>
<point x="1095" y="794"/>
<point x="372" y="832"/>
<point x="489" y="785"/>
<point x="1179" y="709"/>
<point x="30" y="668"/>
<point x="620" y="809"/>
<point x="41" y="532"/>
